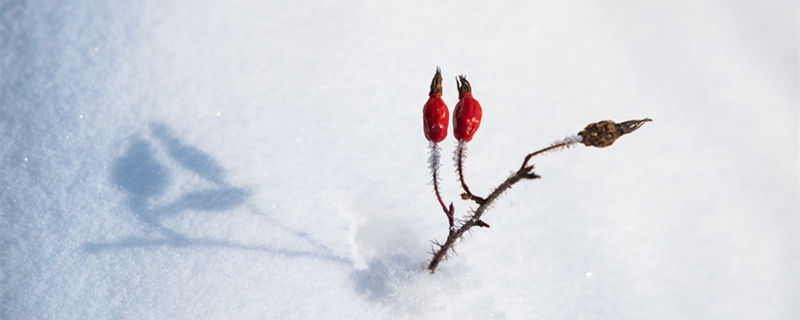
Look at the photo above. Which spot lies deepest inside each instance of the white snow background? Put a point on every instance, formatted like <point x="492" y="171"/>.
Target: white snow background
<point x="265" y="160"/>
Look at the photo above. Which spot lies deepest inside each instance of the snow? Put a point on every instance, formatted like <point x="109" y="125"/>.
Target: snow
<point x="265" y="160"/>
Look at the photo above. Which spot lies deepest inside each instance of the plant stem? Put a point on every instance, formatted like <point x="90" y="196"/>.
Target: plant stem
<point x="434" y="172"/>
<point x="434" y="166"/>
<point x="559" y="145"/>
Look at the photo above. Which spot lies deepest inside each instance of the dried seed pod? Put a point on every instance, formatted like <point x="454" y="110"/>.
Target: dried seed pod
<point x="603" y="134"/>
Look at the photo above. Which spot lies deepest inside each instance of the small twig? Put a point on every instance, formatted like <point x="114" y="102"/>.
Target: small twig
<point x="600" y="134"/>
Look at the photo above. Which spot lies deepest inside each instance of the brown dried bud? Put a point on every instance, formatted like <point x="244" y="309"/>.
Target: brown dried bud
<point x="463" y="86"/>
<point x="603" y="134"/>
<point x="436" y="83"/>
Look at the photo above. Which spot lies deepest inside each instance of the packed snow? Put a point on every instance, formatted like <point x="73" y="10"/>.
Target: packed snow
<point x="266" y="160"/>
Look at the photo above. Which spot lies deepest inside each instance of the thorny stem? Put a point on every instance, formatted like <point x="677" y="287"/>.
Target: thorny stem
<point x="460" y="155"/>
<point x="475" y="220"/>
<point x="600" y="134"/>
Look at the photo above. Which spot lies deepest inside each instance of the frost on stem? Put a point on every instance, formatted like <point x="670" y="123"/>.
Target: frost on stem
<point x="600" y="134"/>
<point x="569" y="140"/>
<point x="433" y="164"/>
<point x="433" y="158"/>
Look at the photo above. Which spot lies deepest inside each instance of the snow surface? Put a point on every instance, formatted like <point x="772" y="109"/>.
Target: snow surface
<point x="265" y="160"/>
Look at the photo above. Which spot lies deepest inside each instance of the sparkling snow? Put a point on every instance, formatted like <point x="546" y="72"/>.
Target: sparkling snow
<point x="265" y="160"/>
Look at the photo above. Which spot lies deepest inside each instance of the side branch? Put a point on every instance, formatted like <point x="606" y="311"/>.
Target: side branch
<point x="467" y="195"/>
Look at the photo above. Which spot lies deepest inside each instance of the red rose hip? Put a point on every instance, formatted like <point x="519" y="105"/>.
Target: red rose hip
<point x="435" y="116"/>
<point x="467" y="114"/>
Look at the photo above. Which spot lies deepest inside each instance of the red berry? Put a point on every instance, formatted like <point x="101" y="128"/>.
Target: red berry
<point x="435" y="115"/>
<point x="467" y="114"/>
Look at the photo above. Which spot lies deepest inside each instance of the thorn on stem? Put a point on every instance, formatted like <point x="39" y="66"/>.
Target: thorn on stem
<point x="450" y="215"/>
<point x="532" y="176"/>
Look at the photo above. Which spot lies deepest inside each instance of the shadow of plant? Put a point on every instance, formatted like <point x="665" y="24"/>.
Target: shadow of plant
<point x="145" y="178"/>
<point x="382" y="278"/>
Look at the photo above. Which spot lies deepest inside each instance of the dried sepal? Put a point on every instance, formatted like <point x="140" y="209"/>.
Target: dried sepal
<point x="436" y="82"/>
<point x="463" y="86"/>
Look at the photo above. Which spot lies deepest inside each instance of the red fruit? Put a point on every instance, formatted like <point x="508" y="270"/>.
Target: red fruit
<point x="435" y="115"/>
<point x="467" y="114"/>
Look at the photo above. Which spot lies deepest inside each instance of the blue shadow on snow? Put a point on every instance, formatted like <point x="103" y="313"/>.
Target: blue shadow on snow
<point x="144" y="178"/>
